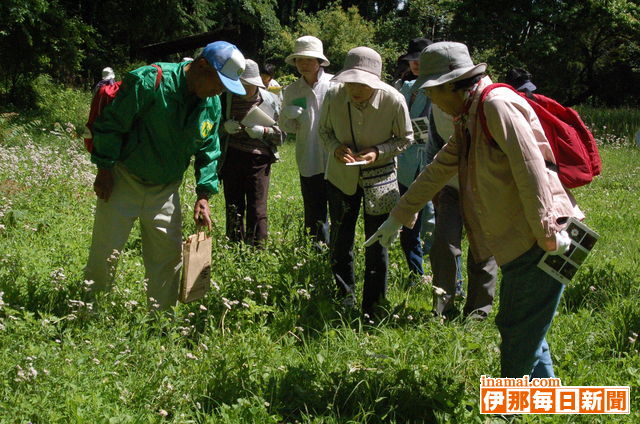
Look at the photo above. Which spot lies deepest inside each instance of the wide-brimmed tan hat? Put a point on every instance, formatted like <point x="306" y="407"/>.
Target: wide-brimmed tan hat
<point x="363" y="65"/>
<point x="305" y="47"/>
<point x="444" y="62"/>
<point x="251" y="74"/>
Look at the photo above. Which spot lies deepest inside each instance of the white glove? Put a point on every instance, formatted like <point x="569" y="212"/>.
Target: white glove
<point x="386" y="234"/>
<point x="257" y="131"/>
<point x="232" y="126"/>
<point x="563" y="243"/>
<point x="292" y="111"/>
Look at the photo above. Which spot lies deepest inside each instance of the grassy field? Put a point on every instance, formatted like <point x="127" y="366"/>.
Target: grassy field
<point x="268" y="344"/>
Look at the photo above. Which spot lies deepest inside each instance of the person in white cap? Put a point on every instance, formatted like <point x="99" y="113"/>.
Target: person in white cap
<point x="250" y="151"/>
<point x="302" y="101"/>
<point x="513" y="205"/>
<point x="364" y="125"/>
<point x="143" y="144"/>
<point x="108" y="78"/>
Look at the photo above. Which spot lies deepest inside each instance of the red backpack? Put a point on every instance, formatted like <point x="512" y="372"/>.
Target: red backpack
<point x="573" y="145"/>
<point x="103" y="97"/>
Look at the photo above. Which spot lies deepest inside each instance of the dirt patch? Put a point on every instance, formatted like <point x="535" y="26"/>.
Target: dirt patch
<point x="10" y="187"/>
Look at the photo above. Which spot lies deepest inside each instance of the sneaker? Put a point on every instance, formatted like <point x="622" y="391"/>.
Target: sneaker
<point x="349" y="301"/>
<point x="460" y="294"/>
<point x="477" y="315"/>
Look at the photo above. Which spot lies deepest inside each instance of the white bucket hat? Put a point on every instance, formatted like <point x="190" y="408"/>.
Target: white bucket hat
<point x="251" y="74"/>
<point x="305" y="47"/>
<point x="362" y="65"/>
<point x="444" y="62"/>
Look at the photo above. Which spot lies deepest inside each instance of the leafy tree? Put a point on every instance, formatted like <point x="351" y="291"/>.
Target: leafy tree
<point x="418" y="18"/>
<point x="572" y="47"/>
<point x="38" y="36"/>
<point x="339" y="30"/>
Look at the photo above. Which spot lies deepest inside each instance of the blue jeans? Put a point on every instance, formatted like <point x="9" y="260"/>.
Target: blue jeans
<point x="410" y="242"/>
<point x="428" y="226"/>
<point x="529" y="298"/>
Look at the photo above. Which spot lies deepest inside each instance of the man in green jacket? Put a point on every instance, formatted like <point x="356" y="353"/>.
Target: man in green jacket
<point x="143" y="144"/>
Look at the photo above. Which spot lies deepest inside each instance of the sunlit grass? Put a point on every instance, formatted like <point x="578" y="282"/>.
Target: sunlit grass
<point x="269" y="343"/>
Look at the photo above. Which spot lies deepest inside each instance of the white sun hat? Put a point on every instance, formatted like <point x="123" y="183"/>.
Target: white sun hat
<point x="306" y="47"/>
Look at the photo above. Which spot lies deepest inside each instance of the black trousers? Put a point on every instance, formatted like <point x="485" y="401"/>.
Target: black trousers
<point x="344" y="211"/>
<point x="314" y="198"/>
<point x="246" y="187"/>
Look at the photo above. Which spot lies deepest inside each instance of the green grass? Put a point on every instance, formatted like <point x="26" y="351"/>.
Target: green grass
<point x="269" y="344"/>
<point x="612" y="126"/>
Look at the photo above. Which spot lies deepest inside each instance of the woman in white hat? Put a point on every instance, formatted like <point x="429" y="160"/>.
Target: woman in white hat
<point x="364" y="124"/>
<point x="250" y="151"/>
<point x="302" y="102"/>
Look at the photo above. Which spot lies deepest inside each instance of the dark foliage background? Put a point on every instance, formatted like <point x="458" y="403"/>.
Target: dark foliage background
<point x="579" y="51"/>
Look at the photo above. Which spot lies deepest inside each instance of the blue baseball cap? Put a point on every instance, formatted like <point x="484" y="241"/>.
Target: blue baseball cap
<point x="229" y="62"/>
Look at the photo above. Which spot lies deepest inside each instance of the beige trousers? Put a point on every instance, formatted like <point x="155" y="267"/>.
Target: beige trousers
<point x="158" y="208"/>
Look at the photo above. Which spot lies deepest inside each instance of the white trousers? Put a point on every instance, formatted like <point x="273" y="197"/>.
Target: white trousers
<point x="158" y="208"/>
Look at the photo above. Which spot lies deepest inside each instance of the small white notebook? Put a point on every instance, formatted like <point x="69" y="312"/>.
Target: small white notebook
<point x="257" y="116"/>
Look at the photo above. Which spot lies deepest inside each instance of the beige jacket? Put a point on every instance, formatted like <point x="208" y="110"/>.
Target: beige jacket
<point x="510" y="199"/>
<point x="383" y="123"/>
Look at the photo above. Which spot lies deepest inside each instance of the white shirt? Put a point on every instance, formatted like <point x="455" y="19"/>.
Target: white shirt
<point x="310" y="155"/>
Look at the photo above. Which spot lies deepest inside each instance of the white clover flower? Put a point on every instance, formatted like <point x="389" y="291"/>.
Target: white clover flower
<point x="303" y="293"/>
<point x="191" y="356"/>
<point x="202" y="308"/>
<point x="226" y="303"/>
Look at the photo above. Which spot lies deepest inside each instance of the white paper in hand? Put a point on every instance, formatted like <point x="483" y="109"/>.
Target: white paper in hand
<point x="360" y="162"/>
<point x="257" y="116"/>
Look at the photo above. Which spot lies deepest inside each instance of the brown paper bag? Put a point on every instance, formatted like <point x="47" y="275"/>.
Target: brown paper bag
<point x="196" y="267"/>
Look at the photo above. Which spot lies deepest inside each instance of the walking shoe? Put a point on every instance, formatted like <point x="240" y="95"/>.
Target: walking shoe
<point x="477" y="315"/>
<point x="349" y="301"/>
